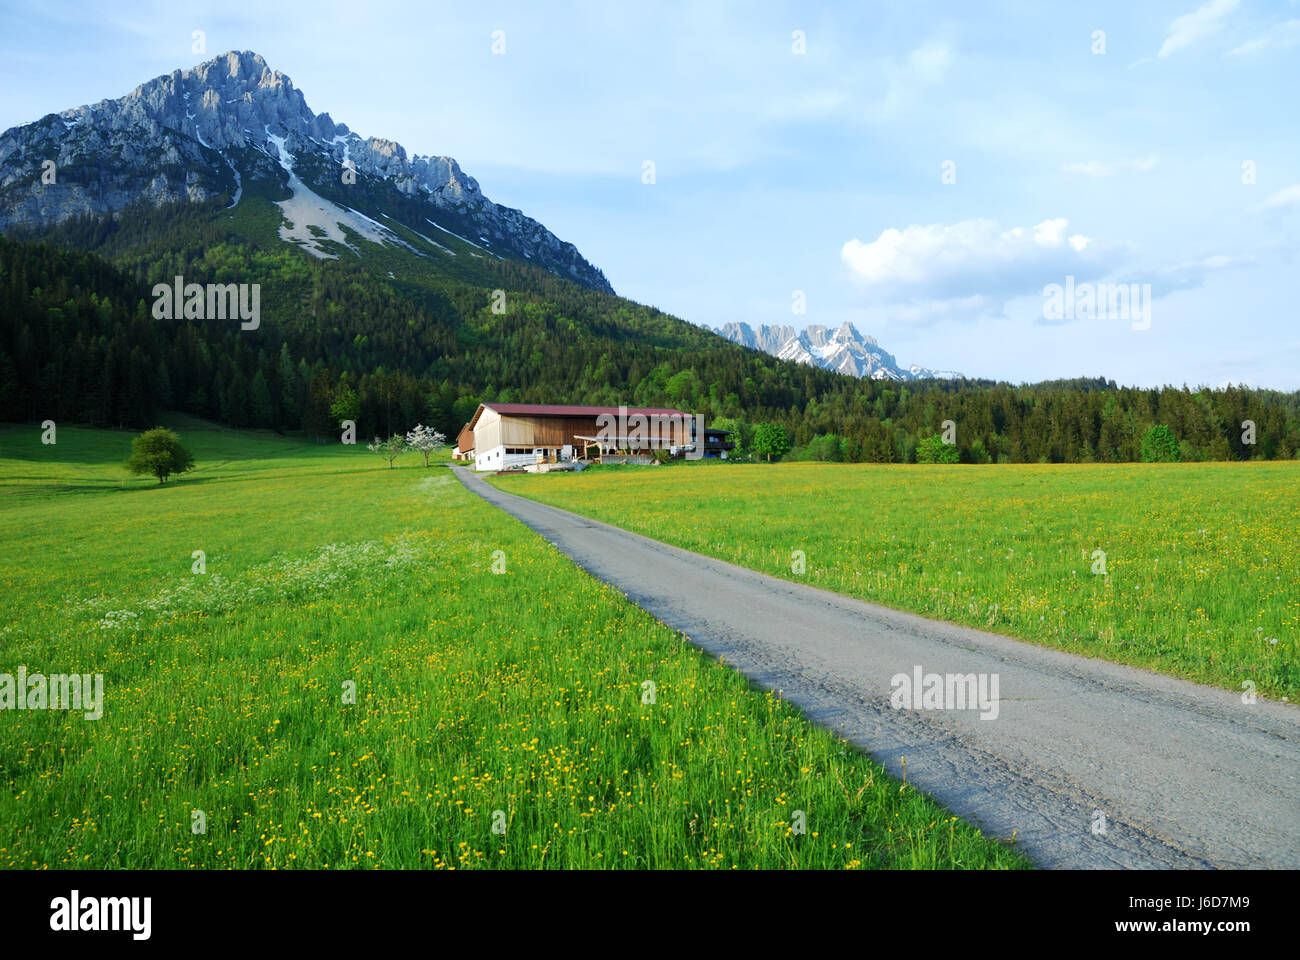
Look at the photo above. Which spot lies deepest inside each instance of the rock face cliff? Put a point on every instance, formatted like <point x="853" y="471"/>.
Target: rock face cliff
<point x="201" y="134"/>
<point x="843" y="350"/>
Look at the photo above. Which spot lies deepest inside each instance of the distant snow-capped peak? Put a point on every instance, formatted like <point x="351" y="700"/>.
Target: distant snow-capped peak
<point x="843" y="350"/>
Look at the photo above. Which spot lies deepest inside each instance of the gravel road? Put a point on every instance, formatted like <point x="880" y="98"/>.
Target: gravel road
<point x="1184" y="775"/>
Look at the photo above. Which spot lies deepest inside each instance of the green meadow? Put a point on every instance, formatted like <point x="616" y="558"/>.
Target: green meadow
<point x="1191" y="569"/>
<point x="346" y="681"/>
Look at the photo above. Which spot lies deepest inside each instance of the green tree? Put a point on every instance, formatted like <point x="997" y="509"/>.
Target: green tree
<point x="159" y="452"/>
<point x="979" y="453"/>
<point x="681" y="387"/>
<point x="259" y="401"/>
<point x="462" y="410"/>
<point x="164" y="391"/>
<point x="389" y="449"/>
<point x="288" y="385"/>
<point x="771" y="440"/>
<point x="1159" y="445"/>
<point x="738" y="430"/>
<point x="934" y="450"/>
<point x="346" y="405"/>
<point x="317" y="418"/>
<point x="234" y="408"/>
<point x="827" y="447"/>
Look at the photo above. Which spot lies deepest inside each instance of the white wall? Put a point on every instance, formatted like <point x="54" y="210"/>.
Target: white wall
<point x="498" y="459"/>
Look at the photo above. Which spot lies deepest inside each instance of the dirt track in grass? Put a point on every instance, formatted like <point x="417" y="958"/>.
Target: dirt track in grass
<point x="1184" y="775"/>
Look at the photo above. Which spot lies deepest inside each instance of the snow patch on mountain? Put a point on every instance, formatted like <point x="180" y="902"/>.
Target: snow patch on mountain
<point x="462" y="239"/>
<point x="307" y="209"/>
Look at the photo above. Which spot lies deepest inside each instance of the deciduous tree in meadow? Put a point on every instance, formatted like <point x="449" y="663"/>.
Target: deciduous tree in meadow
<point x="425" y="440"/>
<point x="771" y="440"/>
<point x="934" y="450"/>
<point x="389" y="449"/>
<point x="159" y="452"/>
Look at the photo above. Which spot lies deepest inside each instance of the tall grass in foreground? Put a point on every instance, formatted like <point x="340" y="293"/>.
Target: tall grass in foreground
<point x="1202" y="561"/>
<point x="520" y="692"/>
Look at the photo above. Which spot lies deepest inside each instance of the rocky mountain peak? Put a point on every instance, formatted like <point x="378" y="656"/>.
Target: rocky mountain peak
<point x="190" y="135"/>
<point x="844" y="350"/>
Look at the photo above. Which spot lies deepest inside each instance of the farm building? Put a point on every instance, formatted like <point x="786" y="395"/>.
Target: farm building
<point x="515" y="434"/>
<point x="464" y="449"/>
<point x="716" y="443"/>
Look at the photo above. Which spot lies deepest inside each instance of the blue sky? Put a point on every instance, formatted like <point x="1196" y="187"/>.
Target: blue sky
<point x="822" y="171"/>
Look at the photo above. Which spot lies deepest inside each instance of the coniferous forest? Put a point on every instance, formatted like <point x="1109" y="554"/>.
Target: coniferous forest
<point x="79" y="343"/>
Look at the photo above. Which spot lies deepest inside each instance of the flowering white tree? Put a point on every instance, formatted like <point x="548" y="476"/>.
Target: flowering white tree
<point x="426" y="440"/>
<point x="389" y="449"/>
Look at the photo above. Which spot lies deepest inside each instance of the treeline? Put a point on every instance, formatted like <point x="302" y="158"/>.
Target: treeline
<point x="1096" y="421"/>
<point x="1101" y="422"/>
<point x="78" y="342"/>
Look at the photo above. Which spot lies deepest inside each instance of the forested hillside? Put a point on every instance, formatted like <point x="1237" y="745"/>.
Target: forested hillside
<point x="78" y="342"/>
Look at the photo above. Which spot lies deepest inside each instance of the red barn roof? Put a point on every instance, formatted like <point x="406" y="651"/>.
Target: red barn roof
<point x="564" y="410"/>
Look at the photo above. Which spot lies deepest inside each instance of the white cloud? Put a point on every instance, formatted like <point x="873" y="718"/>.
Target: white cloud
<point x="1049" y="233"/>
<point x="1097" y="168"/>
<point x="1191" y="28"/>
<point x="1184" y="275"/>
<point x="930" y="62"/>
<point x="939" y="267"/>
<point x="925" y="67"/>
<point x="811" y="105"/>
<point x="1286" y="197"/>
<point x="1283" y="36"/>
<point x="926" y="312"/>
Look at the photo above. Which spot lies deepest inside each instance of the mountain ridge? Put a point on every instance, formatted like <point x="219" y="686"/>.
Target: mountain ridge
<point x="843" y="350"/>
<point x="200" y="134"/>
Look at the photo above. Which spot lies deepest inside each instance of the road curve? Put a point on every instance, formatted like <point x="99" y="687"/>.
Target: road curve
<point x="1185" y="776"/>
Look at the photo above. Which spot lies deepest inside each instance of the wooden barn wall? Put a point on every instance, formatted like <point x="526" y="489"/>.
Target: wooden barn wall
<point x="541" y="431"/>
<point x="487" y="432"/>
<point x="544" y="431"/>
